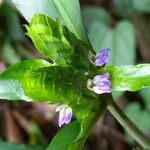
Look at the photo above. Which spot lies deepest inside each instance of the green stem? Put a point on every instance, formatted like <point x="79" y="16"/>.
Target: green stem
<point x="90" y="121"/>
<point x="129" y="126"/>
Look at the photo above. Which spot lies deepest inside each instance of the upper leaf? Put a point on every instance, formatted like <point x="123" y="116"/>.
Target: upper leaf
<point x="54" y="41"/>
<point x="129" y="78"/>
<point x="49" y="38"/>
<point x="68" y="11"/>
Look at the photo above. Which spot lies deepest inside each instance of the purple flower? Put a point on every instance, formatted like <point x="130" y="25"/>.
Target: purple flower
<point x="102" y="57"/>
<point x="65" y="114"/>
<point x="100" y="84"/>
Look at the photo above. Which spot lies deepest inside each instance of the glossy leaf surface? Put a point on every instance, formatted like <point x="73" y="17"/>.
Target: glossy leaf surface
<point x="129" y="78"/>
<point x="38" y="80"/>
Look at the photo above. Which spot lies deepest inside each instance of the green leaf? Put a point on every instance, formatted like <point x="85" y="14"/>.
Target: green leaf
<point x="49" y="38"/>
<point x="16" y="79"/>
<point x="129" y="78"/>
<point x="35" y="79"/>
<point x="38" y="80"/>
<point x="80" y="132"/>
<point x="67" y="11"/>
<point x="10" y="146"/>
<point x="54" y="41"/>
<point x="65" y="137"/>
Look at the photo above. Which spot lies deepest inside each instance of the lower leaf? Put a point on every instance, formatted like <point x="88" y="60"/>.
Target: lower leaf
<point x="65" y="137"/>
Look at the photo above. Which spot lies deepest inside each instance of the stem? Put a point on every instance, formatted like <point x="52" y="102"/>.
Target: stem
<point x="89" y="122"/>
<point x="128" y="125"/>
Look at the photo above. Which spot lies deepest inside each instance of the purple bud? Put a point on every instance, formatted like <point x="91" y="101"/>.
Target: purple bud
<point x="102" y="57"/>
<point x="65" y="114"/>
<point x="100" y="84"/>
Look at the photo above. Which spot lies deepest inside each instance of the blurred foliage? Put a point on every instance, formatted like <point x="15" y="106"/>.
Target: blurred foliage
<point x="139" y="116"/>
<point x="10" y="146"/>
<point x="12" y="36"/>
<point x="129" y="8"/>
<point x="145" y="93"/>
<point x="12" y="25"/>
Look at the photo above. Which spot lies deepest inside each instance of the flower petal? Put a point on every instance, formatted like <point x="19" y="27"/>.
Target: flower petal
<point x="98" y="90"/>
<point x="102" y="57"/>
<point x="101" y="61"/>
<point x="61" y="117"/>
<point x="101" y="84"/>
<point x="65" y="114"/>
<point x="99" y="78"/>
<point x="68" y="115"/>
